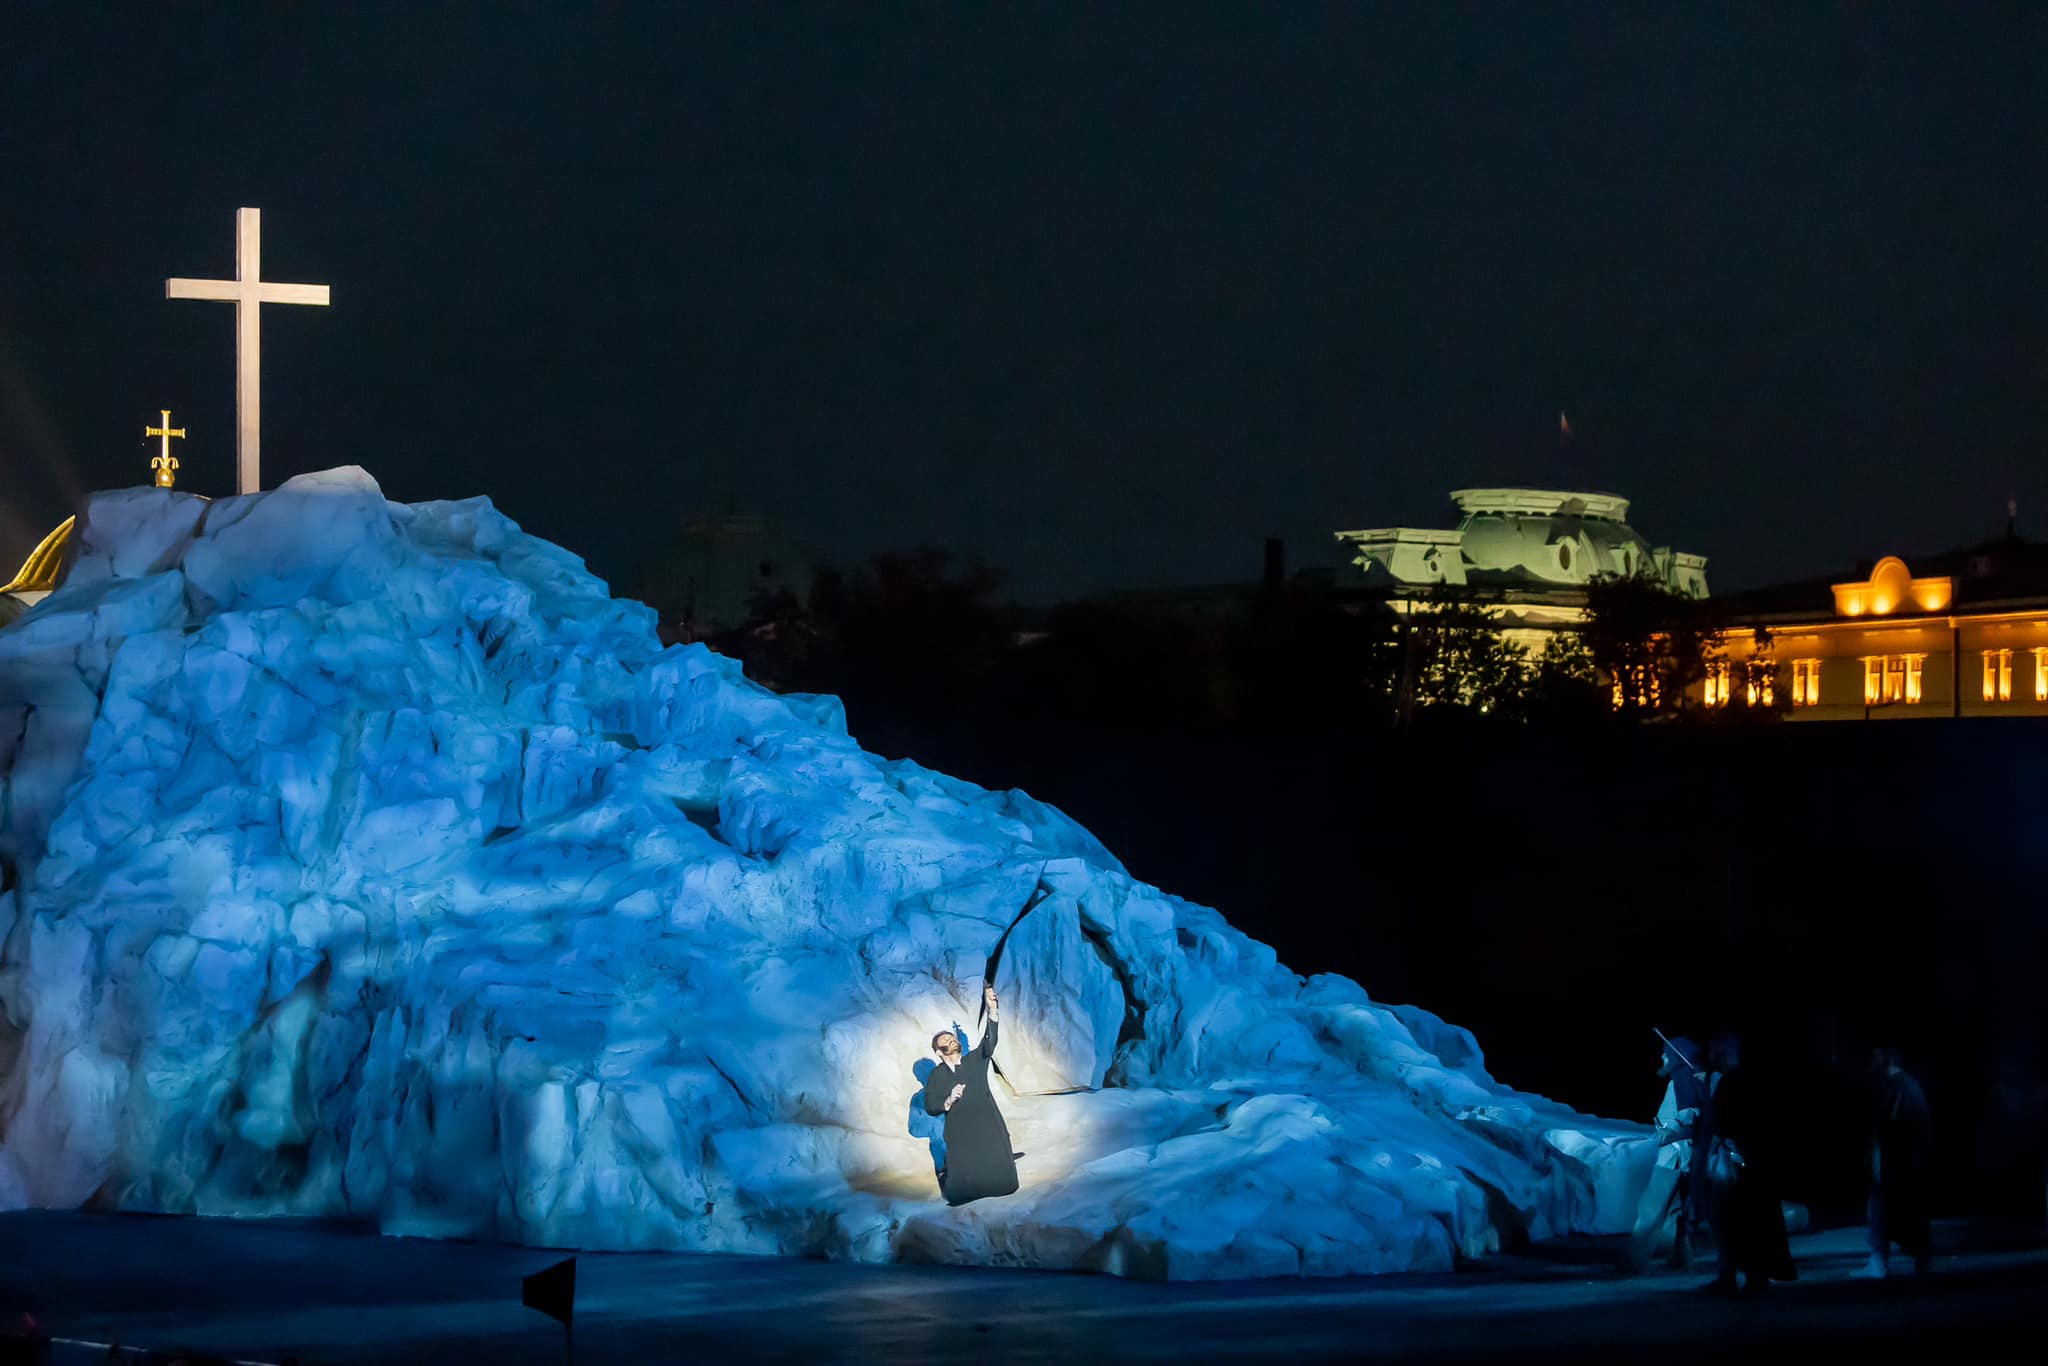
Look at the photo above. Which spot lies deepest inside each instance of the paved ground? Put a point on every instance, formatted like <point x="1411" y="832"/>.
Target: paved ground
<point x="272" y="1291"/>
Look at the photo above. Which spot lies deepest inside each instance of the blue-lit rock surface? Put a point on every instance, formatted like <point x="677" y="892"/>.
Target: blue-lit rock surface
<point x="369" y="859"/>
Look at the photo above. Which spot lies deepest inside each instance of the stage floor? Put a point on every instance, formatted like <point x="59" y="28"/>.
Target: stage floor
<point x="321" y="1293"/>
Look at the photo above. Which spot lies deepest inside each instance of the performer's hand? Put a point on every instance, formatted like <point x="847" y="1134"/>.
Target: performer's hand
<point x="958" y="1091"/>
<point x="988" y="994"/>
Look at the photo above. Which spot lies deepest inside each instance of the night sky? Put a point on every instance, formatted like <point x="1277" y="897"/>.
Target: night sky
<point x="1103" y="294"/>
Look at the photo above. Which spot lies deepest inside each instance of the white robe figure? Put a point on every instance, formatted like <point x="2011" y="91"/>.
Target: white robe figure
<point x="1674" y="1160"/>
<point x="1677" y="1154"/>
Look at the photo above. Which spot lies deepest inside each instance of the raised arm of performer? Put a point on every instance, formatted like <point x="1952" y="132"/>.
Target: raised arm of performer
<point x="995" y="1012"/>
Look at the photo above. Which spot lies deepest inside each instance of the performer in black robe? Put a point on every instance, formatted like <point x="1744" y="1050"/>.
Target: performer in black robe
<point x="979" y="1161"/>
<point x="1749" y="1223"/>
<point x="1901" y="1167"/>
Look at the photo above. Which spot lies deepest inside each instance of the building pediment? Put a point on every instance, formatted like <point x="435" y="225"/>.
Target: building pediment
<point x="1892" y="588"/>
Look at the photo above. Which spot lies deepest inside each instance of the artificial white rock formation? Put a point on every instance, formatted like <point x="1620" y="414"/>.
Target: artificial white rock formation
<point x="368" y="859"/>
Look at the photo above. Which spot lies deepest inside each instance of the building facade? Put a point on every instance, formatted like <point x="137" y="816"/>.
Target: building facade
<point x="1962" y="634"/>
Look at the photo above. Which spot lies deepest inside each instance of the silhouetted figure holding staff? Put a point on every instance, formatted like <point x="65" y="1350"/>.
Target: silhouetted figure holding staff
<point x="978" y="1157"/>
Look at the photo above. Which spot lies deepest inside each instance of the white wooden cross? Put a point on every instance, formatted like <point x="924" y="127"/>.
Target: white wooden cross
<point x="248" y="291"/>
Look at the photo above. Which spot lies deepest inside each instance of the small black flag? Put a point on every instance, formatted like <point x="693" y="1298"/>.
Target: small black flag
<point x="552" y="1291"/>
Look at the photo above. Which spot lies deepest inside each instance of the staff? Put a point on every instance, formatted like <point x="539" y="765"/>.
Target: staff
<point x="1676" y="1051"/>
<point x="1039" y="893"/>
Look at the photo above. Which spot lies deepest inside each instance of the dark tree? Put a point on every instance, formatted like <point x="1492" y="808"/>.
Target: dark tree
<point x="1564" y="684"/>
<point x="910" y="641"/>
<point x="1301" y="656"/>
<point x="1454" y="654"/>
<point x="1653" y="645"/>
<point x="1115" y="665"/>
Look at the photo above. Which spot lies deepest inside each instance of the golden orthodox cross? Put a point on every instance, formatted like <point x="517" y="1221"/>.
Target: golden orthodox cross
<point x="248" y="291"/>
<point x="165" y="465"/>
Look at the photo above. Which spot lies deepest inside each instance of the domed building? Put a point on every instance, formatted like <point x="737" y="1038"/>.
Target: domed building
<point x="1527" y="554"/>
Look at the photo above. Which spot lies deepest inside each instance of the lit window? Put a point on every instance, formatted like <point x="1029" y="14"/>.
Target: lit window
<point x="1805" y="682"/>
<point x="1648" y="686"/>
<point x="2041" y="673"/>
<point x="1873" y="678"/>
<point x="1717" y="683"/>
<point x="1913" y="663"/>
<point x="1998" y="675"/>
<point x="1895" y="678"/>
<point x="1759" y="688"/>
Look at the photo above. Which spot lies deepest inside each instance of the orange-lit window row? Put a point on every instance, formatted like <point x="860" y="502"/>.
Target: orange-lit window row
<point x="1998" y="674"/>
<point x="1759" y="687"/>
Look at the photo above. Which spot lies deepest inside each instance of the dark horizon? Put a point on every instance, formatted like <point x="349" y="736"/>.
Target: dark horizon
<point x="1104" y="298"/>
